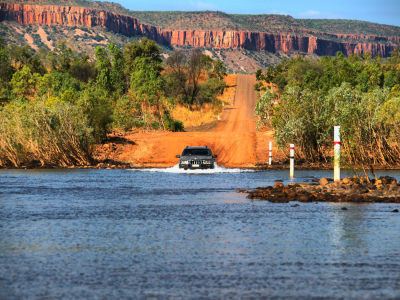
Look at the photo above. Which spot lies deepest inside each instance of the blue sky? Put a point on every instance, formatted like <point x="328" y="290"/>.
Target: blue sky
<point x="382" y="11"/>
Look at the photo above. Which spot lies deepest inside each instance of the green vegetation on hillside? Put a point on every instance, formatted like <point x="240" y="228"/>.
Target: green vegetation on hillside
<point x="360" y="94"/>
<point x="55" y="105"/>
<point x="349" y="27"/>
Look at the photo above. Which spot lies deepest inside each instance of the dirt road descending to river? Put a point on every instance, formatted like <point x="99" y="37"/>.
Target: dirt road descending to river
<point x="240" y="116"/>
<point x="234" y="139"/>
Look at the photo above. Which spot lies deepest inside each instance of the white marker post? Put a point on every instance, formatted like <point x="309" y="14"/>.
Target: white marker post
<point x="218" y="117"/>
<point x="270" y="153"/>
<point x="336" y="144"/>
<point x="291" y="160"/>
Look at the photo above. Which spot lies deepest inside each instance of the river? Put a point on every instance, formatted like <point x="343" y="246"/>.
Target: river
<point x="161" y="234"/>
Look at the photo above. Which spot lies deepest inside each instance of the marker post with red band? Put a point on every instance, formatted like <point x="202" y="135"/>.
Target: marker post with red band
<point x="291" y="160"/>
<point x="270" y="153"/>
<point x="336" y="138"/>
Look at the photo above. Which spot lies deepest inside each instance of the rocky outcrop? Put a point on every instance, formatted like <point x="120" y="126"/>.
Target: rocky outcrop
<point x="307" y="42"/>
<point x="359" y="190"/>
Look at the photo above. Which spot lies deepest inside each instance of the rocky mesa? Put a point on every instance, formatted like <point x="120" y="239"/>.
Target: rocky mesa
<point x="307" y="42"/>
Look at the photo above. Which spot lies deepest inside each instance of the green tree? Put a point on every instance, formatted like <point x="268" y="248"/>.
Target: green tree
<point x="183" y="77"/>
<point x="26" y="56"/>
<point x="83" y="69"/>
<point x="118" y="78"/>
<point x="104" y="70"/>
<point x="6" y="69"/>
<point x="96" y="105"/>
<point x="25" y="83"/>
<point x="219" y="69"/>
<point x="146" y="49"/>
<point x="148" y="85"/>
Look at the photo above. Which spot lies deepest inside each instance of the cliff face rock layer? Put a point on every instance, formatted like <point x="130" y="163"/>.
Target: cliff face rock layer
<point x="127" y="25"/>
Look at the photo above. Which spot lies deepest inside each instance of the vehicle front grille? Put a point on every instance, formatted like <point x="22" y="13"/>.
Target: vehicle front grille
<point x="199" y="162"/>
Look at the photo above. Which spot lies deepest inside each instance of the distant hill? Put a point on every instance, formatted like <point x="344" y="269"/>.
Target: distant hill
<point x="244" y="42"/>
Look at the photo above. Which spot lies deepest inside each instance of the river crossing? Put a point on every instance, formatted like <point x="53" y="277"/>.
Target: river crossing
<point x="161" y="234"/>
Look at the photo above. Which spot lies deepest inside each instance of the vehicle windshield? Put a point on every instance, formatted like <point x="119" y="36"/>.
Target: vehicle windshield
<point x="199" y="152"/>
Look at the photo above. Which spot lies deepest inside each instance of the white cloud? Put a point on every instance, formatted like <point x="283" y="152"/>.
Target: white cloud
<point x="204" y="6"/>
<point x="277" y="12"/>
<point x="198" y="5"/>
<point x="312" y="14"/>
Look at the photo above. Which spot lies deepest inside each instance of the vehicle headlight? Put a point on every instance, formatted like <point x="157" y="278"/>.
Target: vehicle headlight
<point x="184" y="162"/>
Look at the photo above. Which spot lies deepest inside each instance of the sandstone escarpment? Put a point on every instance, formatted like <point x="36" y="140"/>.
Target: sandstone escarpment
<point x="306" y="42"/>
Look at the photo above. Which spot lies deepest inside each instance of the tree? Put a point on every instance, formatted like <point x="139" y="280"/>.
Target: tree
<point x="148" y="86"/>
<point x="219" y="69"/>
<point x="6" y="69"/>
<point x="118" y="78"/>
<point x="25" y="83"/>
<point x="26" y="56"/>
<point x="103" y="70"/>
<point x="147" y="49"/>
<point x="83" y="69"/>
<point x="183" y="76"/>
<point x="177" y="76"/>
<point x="395" y="57"/>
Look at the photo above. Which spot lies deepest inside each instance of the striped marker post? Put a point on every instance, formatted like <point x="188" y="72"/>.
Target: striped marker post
<point x="270" y="153"/>
<point x="291" y="160"/>
<point x="336" y="144"/>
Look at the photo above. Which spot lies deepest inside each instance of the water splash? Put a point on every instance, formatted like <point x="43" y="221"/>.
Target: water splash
<point x="175" y="169"/>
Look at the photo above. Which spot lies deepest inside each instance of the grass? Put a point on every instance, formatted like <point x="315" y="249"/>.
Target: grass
<point x="208" y="112"/>
<point x="195" y="118"/>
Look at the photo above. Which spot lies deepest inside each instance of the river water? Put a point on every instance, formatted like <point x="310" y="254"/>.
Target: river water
<point x="161" y="234"/>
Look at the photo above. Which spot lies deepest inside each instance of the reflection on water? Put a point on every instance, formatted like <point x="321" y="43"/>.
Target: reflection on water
<point x="116" y="234"/>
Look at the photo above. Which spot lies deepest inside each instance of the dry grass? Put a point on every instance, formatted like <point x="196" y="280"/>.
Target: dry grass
<point x="208" y="112"/>
<point x="196" y="117"/>
<point x="229" y="93"/>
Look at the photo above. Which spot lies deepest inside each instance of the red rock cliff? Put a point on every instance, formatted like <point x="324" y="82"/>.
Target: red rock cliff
<point x="307" y="43"/>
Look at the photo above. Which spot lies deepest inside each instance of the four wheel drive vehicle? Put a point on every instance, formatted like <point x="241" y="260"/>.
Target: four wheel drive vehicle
<point x="196" y="158"/>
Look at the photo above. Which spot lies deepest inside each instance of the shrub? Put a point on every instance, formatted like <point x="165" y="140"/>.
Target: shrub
<point x="174" y="125"/>
<point x="59" y="135"/>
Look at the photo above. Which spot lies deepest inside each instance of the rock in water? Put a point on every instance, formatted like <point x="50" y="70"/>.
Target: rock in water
<point x="250" y="196"/>
<point x="304" y="198"/>
<point x="323" y="181"/>
<point x="346" y="180"/>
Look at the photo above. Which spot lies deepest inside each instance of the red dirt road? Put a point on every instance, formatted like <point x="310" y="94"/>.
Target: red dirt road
<point x="240" y="116"/>
<point x="234" y="139"/>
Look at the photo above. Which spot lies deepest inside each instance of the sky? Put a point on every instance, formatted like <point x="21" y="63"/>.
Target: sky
<point x="382" y="11"/>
